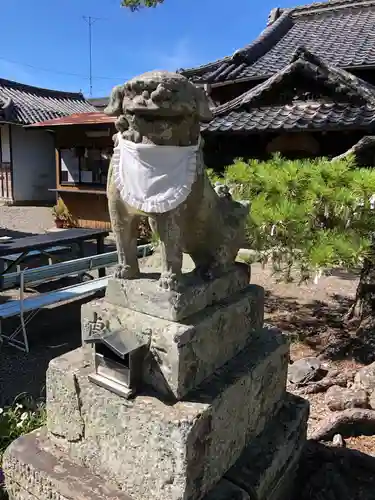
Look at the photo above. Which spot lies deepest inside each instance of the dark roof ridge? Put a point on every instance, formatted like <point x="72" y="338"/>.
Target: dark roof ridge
<point x="304" y="60"/>
<point x="326" y="6"/>
<point x="263" y="43"/>
<point x="31" y="88"/>
<point x="252" y="52"/>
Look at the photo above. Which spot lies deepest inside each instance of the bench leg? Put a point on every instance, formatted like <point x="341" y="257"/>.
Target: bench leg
<point x="99" y="250"/>
<point x="23" y="344"/>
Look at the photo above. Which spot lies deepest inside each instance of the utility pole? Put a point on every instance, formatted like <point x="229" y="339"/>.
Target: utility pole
<point x="90" y="21"/>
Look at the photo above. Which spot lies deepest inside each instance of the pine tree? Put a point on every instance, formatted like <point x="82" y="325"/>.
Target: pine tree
<point x="306" y="215"/>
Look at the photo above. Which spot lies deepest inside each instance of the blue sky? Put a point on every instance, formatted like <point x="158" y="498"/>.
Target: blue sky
<point x="52" y="35"/>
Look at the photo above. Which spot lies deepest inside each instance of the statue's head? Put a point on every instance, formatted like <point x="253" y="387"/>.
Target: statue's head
<point x="159" y="107"/>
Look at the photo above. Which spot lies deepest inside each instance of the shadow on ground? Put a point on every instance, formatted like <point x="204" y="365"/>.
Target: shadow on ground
<point x="321" y="327"/>
<point x="14" y="234"/>
<point x="51" y="333"/>
<point x="327" y="473"/>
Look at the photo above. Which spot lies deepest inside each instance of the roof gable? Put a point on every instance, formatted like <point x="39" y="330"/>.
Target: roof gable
<point x="341" y="32"/>
<point x="334" y="90"/>
<point x="24" y="104"/>
<point x="340" y="85"/>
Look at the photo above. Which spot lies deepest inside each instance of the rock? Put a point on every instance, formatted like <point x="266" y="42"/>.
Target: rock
<point x="372" y="400"/>
<point x="340" y="398"/>
<point x="365" y="378"/>
<point x="338" y="441"/>
<point x="304" y="370"/>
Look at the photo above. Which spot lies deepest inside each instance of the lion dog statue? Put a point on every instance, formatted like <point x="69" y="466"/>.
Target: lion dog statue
<point x="161" y="109"/>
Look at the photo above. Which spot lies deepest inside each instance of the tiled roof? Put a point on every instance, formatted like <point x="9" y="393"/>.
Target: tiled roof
<point x="296" y="116"/>
<point x="92" y="118"/>
<point x="24" y="104"/>
<point x="341" y="32"/>
<point x="344" y="101"/>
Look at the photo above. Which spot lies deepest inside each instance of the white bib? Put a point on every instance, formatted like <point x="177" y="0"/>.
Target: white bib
<point x="154" y="178"/>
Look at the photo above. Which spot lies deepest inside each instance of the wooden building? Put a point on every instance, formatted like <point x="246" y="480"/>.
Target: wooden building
<point x="27" y="156"/>
<point x="83" y="147"/>
<point x="304" y="87"/>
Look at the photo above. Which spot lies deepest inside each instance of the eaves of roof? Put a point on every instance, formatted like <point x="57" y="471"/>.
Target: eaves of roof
<point x="341" y="32"/>
<point x="25" y="104"/>
<point x="351" y="105"/>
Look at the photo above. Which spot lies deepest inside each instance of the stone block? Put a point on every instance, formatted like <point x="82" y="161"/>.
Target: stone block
<point x="267" y="465"/>
<point x="183" y="354"/>
<point x="144" y="295"/>
<point x="155" y="449"/>
<point x="34" y="470"/>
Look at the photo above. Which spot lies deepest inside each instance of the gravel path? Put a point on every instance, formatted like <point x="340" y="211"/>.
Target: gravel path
<point x="22" y="221"/>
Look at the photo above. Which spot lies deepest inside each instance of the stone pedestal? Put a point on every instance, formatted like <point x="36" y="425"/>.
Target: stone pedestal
<point x="211" y="418"/>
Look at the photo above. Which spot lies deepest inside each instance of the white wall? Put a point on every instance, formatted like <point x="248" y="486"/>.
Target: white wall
<point x="34" y="167"/>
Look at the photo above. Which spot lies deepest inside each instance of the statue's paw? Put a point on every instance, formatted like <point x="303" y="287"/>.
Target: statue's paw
<point x="123" y="271"/>
<point x="168" y="281"/>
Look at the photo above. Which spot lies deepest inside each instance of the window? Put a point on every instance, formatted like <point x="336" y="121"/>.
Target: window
<point x="84" y="165"/>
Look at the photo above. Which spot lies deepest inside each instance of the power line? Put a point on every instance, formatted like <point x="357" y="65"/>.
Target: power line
<point x="58" y="72"/>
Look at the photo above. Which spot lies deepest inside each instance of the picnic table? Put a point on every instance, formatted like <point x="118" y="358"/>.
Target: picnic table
<point x="21" y="248"/>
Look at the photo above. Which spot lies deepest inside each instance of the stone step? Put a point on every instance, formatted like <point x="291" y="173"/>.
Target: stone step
<point x="155" y="449"/>
<point x="183" y="354"/>
<point x="267" y="466"/>
<point x="144" y="295"/>
<point x="36" y="470"/>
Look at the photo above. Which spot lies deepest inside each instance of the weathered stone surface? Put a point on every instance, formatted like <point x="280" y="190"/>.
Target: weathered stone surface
<point x="303" y="370"/>
<point x="340" y="398"/>
<point x="34" y="471"/>
<point x="183" y="354"/>
<point x="266" y="467"/>
<point x="144" y="295"/>
<point x="365" y="378"/>
<point x="66" y="394"/>
<point x="169" y="452"/>
<point x="371" y="400"/>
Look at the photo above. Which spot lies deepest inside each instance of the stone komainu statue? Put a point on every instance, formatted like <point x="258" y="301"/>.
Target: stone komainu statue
<point x="157" y="170"/>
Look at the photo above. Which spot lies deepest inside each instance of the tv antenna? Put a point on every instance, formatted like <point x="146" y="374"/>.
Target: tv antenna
<point x="90" y="21"/>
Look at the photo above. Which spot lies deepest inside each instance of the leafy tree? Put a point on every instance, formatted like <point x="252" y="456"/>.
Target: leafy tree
<point x="134" y="5"/>
<point x="308" y="215"/>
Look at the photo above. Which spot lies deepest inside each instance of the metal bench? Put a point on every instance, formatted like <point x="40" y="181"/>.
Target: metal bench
<point x="43" y="274"/>
<point x="27" y="308"/>
<point x="60" y="270"/>
<point x="48" y="252"/>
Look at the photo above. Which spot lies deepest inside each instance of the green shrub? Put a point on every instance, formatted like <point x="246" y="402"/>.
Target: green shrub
<point x="313" y="214"/>
<point x="23" y="416"/>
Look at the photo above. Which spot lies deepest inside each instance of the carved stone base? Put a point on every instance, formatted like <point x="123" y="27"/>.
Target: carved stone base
<point x="37" y="470"/>
<point x="183" y="354"/>
<point x="160" y="450"/>
<point x="144" y="295"/>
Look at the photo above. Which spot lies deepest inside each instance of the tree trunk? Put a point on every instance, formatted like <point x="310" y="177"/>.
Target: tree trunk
<point x="364" y="304"/>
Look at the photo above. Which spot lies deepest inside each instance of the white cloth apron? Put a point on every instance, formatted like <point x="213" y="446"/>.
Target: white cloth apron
<point x="151" y="178"/>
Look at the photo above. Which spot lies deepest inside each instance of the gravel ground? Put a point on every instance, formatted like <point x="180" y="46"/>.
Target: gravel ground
<point x="52" y="332"/>
<point x="23" y="221"/>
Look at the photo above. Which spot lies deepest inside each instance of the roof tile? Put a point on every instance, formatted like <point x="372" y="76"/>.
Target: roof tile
<point x="299" y="117"/>
<point x="341" y="32"/>
<point x="25" y="104"/>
